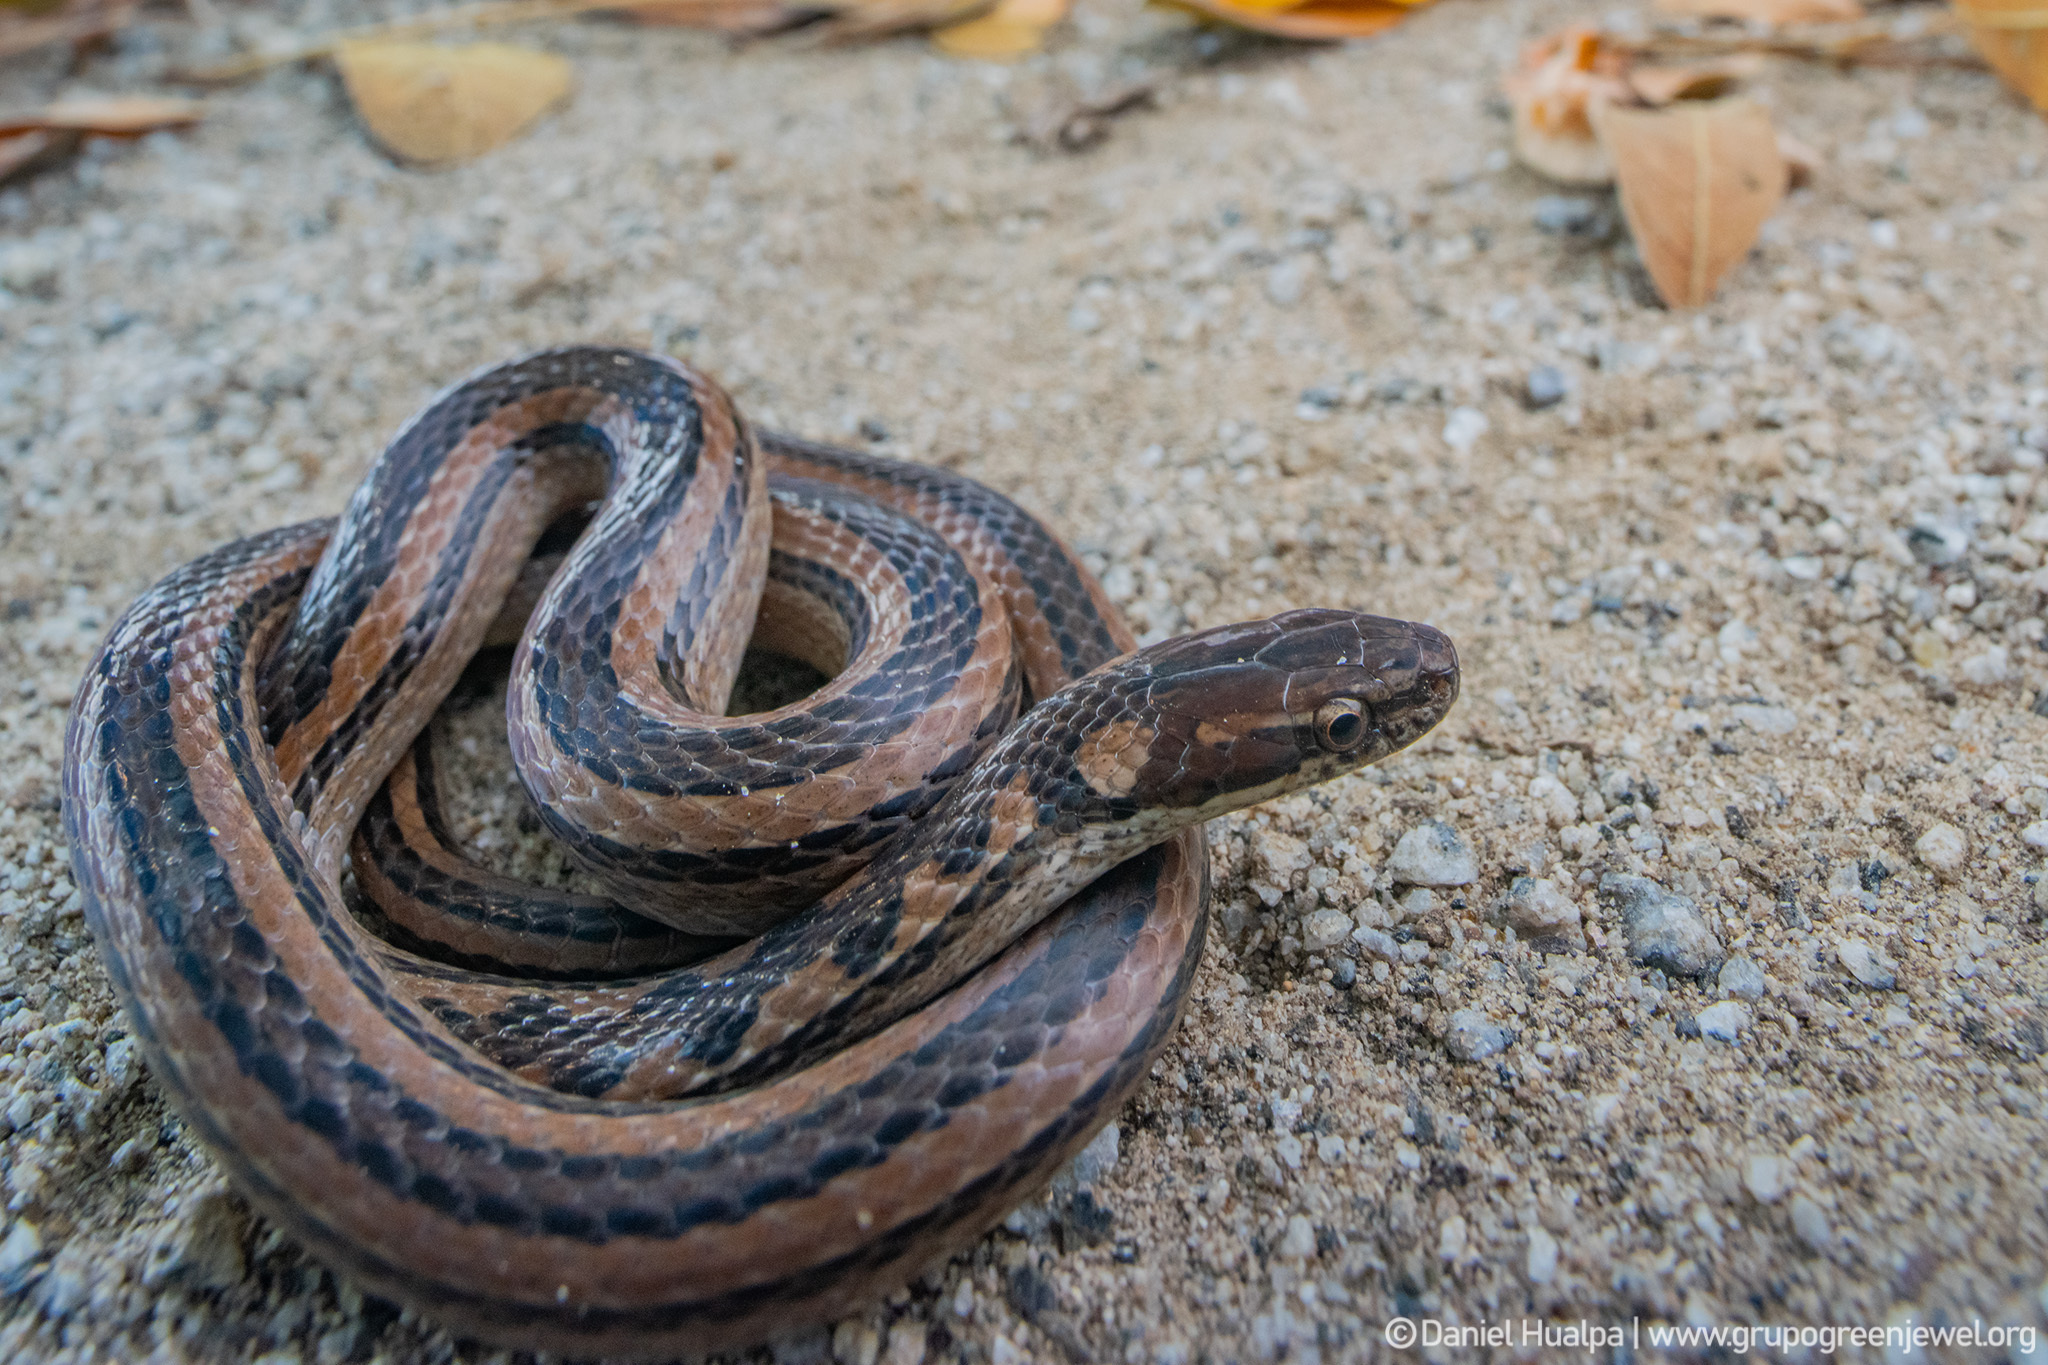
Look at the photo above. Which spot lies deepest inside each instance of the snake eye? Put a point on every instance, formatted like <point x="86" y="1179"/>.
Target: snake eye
<point x="1340" y="725"/>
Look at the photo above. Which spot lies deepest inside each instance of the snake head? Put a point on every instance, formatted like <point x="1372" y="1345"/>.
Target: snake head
<point x="1231" y="716"/>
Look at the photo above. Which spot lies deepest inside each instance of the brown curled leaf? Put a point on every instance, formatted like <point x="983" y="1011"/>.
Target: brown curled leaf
<point x="1697" y="180"/>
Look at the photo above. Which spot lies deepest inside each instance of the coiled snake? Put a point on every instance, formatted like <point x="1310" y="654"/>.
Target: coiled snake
<point x="521" y="1116"/>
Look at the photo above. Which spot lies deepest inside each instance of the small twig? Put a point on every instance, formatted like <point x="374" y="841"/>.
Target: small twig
<point x="1076" y="125"/>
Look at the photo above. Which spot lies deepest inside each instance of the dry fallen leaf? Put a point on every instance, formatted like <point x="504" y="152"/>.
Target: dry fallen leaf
<point x="1660" y="85"/>
<point x="1768" y="11"/>
<point x="746" y="18"/>
<point x="860" y="20"/>
<point x="434" y="105"/>
<point x="75" y="21"/>
<point x="32" y="141"/>
<point x="1553" y="94"/>
<point x="1316" y="21"/>
<point x="1012" y="29"/>
<point x="2012" y="36"/>
<point x="128" y="117"/>
<point x="1697" y="180"/>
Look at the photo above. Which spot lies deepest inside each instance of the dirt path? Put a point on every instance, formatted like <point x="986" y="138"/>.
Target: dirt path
<point x="1753" y="612"/>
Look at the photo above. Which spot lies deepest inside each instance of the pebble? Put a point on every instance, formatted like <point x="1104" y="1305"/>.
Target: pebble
<point x="1765" y="720"/>
<point x="19" y="1250"/>
<point x="1284" y="283"/>
<point x="1433" y="854"/>
<point x="1545" y="387"/>
<point x="1560" y="213"/>
<point x="2035" y="836"/>
<point x="1298" y="1243"/>
<point x="1376" y="942"/>
<point x="905" y="1345"/>
<point x="1474" y="1036"/>
<point x="1988" y="668"/>
<point x="1560" y="807"/>
<point x="1810" y="1221"/>
<point x="1943" y="848"/>
<point x="1767" y="1177"/>
<point x="1741" y="979"/>
<point x="1416" y="902"/>
<point x="1725" y="1020"/>
<point x="1872" y="967"/>
<point x="1538" y="911"/>
<point x="1542" y="1263"/>
<point x="1664" y="929"/>
<point x="1464" y="427"/>
<point x="203" y="1249"/>
<point x="1325" y="929"/>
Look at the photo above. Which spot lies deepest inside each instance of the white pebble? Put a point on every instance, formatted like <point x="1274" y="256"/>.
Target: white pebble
<point x="1464" y="428"/>
<point x="1942" y="848"/>
<point x="1542" y="1256"/>
<point x="1325" y="929"/>
<point x="1559" y="806"/>
<point x="1474" y="1036"/>
<point x="1989" y="668"/>
<point x="1725" y="1020"/>
<point x="1767" y="1177"/>
<point x="1872" y="967"/>
<point x="1450" y="1238"/>
<point x="1741" y="979"/>
<point x="1298" y="1243"/>
<point x="1811" y="1223"/>
<point x="1433" y="854"/>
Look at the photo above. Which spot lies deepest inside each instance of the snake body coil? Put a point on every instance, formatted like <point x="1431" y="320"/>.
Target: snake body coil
<point x="622" y="1155"/>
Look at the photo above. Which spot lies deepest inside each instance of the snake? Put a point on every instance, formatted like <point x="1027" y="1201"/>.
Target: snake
<point x="862" y="972"/>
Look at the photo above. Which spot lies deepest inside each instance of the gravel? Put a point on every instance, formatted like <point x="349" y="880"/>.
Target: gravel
<point x="1871" y="966"/>
<point x="1473" y="1036"/>
<point x="1664" y="930"/>
<point x="1750" y="608"/>
<point x="1741" y="979"/>
<point x="1433" y="854"/>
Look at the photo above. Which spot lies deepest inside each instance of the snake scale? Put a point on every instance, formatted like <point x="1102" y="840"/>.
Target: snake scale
<point x="893" y="953"/>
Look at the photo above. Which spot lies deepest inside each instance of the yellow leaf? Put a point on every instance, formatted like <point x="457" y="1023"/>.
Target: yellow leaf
<point x="1012" y="29"/>
<point x="1697" y="180"/>
<point x="2012" y="36"/>
<point x="1768" y="11"/>
<point x="1316" y="21"/>
<point x="435" y="105"/>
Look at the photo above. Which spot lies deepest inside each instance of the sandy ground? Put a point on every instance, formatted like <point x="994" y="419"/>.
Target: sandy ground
<point x="1752" y="613"/>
